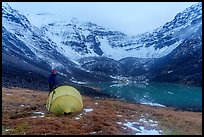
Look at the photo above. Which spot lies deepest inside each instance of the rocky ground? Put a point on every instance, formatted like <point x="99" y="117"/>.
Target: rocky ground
<point x="24" y="112"/>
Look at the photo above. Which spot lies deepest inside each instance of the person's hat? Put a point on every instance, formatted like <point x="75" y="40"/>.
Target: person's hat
<point x="54" y="71"/>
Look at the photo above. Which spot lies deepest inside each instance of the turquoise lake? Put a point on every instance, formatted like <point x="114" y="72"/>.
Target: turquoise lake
<point x="156" y="94"/>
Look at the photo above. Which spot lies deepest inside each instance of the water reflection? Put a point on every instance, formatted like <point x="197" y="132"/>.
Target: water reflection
<point x="156" y="94"/>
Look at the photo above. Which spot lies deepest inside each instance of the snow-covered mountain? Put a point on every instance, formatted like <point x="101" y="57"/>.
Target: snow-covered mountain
<point x="87" y="51"/>
<point x="24" y="48"/>
<point x="84" y="39"/>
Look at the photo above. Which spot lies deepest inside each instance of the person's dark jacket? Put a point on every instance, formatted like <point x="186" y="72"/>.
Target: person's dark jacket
<point x="52" y="81"/>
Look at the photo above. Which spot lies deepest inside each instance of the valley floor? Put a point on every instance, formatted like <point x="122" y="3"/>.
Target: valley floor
<point x="24" y="112"/>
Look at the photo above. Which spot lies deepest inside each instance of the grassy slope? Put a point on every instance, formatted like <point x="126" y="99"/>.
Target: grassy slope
<point x="18" y="105"/>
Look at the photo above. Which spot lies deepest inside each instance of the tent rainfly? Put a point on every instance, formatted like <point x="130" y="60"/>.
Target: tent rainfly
<point x="64" y="99"/>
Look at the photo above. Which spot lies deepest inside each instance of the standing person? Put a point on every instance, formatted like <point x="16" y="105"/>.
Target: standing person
<point x="52" y="80"/>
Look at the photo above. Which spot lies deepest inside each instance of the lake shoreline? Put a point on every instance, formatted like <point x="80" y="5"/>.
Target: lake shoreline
<point x="144" y="94"/>
<point x="24" y="112"/>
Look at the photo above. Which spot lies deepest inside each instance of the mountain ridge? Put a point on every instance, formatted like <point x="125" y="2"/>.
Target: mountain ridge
<point x="81" y="50"/>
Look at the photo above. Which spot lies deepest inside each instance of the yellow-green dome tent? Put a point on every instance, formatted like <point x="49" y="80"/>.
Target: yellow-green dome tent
<point x="64" y="99"/>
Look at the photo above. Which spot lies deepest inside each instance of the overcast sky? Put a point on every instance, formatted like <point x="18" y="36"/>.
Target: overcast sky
<point x="128" y="17"/>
